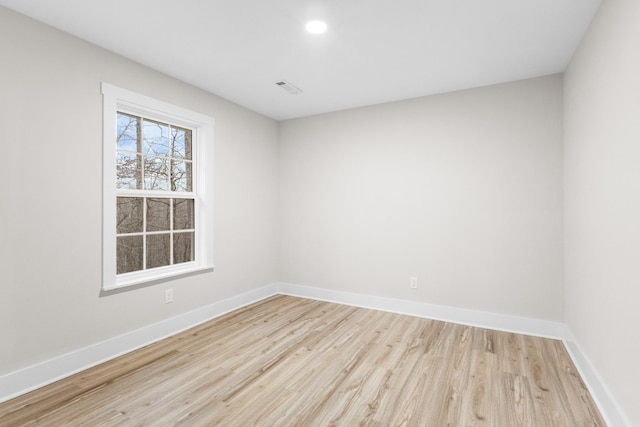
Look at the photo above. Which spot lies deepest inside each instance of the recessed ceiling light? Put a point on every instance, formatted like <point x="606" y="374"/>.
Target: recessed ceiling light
<point x="316" y="27"/>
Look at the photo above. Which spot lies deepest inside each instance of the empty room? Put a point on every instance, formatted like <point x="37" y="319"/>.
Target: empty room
<point x="320" y="213"/>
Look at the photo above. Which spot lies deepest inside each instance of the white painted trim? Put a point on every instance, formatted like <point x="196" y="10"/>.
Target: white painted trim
<point x="33" y="377"/>
<point x="609" y="407"/>
<point x="49" y="371"/>
<point x="500" y="322"/>
<point x="119" y="99"/>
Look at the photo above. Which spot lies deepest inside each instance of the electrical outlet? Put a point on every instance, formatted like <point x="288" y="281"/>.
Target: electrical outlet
<point x="168" y="296"/>
<point x="413" y="283"/>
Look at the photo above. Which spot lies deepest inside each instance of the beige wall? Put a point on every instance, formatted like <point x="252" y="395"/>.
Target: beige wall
<point x="602" y="182"/>
<point x="462" y="190"/>
<point x="50" y="204"/>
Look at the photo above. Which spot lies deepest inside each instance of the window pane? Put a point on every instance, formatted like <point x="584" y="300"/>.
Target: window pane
<point x="129" y="171"/>
<point x="158" y="247"/>
<point x="182" y="214"/>
<point x="129" y="215"/>
<point x="156" y="173"/>
<point x="129" y="254"/>
<point x="158" y="214"/>
<point x="181" y="176"/>
<point x="156" y="138"/>
<point x="183" y="247"/>
<point x="180" y="143"/>
<point x="128" y="132"/>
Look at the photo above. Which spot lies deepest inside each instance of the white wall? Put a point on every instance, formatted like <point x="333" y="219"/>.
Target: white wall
<point x="50" y="196"/>
<point x="462" y="190"/>
<point x="602" y="201"/>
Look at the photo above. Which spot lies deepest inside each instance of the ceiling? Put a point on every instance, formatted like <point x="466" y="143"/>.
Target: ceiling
<point x="374" y="50"/>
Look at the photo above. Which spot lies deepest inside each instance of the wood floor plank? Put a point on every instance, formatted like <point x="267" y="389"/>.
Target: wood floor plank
<point x="288" y="361"/>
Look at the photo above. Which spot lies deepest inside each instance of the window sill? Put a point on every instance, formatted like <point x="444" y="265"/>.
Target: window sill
<point x="158" y="275"/>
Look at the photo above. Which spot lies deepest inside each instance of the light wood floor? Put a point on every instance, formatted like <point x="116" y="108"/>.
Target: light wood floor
<point x="289" y="361"/>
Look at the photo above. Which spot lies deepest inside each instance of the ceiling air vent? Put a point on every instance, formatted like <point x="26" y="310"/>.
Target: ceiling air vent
<point x="288" y="87"/>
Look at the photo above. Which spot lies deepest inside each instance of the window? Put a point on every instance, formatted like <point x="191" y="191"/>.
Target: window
<point x="157" y="184"/>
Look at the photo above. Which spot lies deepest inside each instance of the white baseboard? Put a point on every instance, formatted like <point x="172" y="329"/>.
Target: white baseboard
<point x="609" y="407"/>
<point x="481" y="319"/>
<point x="36" y="376"/>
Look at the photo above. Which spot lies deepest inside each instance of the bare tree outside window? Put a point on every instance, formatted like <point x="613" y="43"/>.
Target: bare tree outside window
<point x="153" y="230"/>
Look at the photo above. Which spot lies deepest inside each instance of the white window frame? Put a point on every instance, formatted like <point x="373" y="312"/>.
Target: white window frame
<point x="118" y="99"/>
